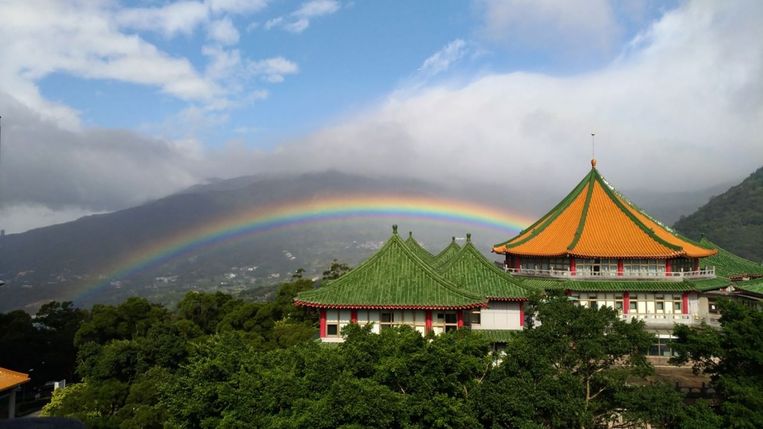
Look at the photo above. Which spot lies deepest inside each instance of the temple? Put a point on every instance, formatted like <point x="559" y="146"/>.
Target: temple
<point x="404" y="284"/>
<point x="595" y="246"/>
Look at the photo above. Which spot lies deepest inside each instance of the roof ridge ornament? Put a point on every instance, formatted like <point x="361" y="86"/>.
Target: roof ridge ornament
<point x="468" y="237"/>
<point x="453" y="239"/>
<point x="394" y="229"/>
<point x="593" y="150"/>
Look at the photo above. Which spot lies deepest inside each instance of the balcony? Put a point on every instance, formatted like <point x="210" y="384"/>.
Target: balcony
<point x="667" y="320"/>
<point x="704" y="273"/>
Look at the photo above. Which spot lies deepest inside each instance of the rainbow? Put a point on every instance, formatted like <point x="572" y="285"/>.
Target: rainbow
<point x="283" y="215"/>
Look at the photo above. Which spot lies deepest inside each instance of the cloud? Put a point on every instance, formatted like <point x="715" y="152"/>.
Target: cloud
<point x="586" y="27"/>
<point x="90" y="40"/>
<point x="299" y="20"/>
<point x="223" y="31"/>
<point x="273" y="69"/>
<point x="441" y="60"/>
<point x="170" y="20"/>
<point x="684" y="103"/>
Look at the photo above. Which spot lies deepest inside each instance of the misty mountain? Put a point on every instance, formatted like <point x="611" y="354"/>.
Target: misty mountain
<point x="733" y="219"/>
<point x="76" y="260"/>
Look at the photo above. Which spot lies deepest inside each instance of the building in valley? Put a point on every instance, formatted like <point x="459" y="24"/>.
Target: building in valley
<point x="396" y="286"/>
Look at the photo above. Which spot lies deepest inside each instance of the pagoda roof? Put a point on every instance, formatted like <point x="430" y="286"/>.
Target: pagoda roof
<point x="393" y="278"/>
<point x="595" y="221"/>
<point x="418" y="249"/>
<point x="446" y="254"/>
<point x="474" y="273"/>
<point x="10" y="379"/>
<point x="665" y="286"/>
<point x="728" y="264"/>
<point x="752" y="286"/>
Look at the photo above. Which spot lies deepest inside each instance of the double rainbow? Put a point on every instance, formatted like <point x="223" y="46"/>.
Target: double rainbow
<point x="283" y="215"/>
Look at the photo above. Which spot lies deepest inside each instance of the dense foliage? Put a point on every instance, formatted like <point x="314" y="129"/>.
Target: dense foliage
<point x="734" y="358"/>
<point x="218" y="361"/>
<point x="733" y="220"/>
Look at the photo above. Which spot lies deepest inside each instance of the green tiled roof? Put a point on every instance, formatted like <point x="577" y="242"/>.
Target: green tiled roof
<point x="446" y="254"/>
<point x="394" y="277"/>
<point x="496" y="335"/>
<point x="754" y="286"/>
<point x="474" y="273"/>
<point x="420" y="251"/>
<point x="622" y="285"/>
<point x="728" y="264"/>
<point x="711" y="284"/>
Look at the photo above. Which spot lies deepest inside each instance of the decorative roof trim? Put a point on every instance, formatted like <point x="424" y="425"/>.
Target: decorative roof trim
<point x="583" y="214"/>
<point x="299" y="302"/>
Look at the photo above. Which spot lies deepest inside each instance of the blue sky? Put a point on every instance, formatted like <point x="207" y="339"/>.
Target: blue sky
<point x="347" y="60"/>
<point x="107" y="104"/>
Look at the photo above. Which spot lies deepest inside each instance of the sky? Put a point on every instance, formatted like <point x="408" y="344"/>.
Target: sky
<point x="106" y="104"/>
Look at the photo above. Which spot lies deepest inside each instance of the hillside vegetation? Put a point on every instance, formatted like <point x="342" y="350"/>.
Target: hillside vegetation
<point x="733" y="220"/>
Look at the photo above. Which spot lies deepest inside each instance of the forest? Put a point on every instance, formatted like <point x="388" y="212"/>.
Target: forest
<point x="219" y="361"/>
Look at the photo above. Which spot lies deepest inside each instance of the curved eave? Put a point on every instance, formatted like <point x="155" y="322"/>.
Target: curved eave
<point x="506" y="299"/>
<point x="302" y="303"/>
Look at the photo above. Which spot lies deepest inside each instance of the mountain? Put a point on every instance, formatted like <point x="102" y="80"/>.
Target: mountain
<point x="77" y="260"/>
<point x="733" y="219"/>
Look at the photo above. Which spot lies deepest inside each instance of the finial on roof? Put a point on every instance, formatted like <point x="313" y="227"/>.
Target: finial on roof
<point x="593" y="163"/>
<point x="593" y="150"/>
<point x="468" y="237"/>
<point x="410" y="234"/>
<point x="394" y="229"/>
<point x="453" y="239"/>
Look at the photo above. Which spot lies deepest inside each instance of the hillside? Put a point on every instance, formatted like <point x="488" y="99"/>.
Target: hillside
<point x="733" y="220"/>
<point x="73" y="260"/>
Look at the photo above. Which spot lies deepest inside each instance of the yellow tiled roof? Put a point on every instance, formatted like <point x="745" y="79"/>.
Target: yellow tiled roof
<point x="596" y="221"/>
<point x="10" y="379"/>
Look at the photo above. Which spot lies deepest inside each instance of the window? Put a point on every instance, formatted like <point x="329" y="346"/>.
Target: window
<point x="643" y="267"/>
<point x="476" y="317"/>
<point x="387" y="320"/>
<point x="332" y="323"/>
<point x="661" y="347"/>
<point x="681" y="264"/>
<point x="447" y="321"/>
<point x="659" y="303"/>
<point x="619" y="302"/>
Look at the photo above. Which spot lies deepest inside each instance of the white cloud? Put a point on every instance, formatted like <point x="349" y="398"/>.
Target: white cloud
<point x="236" y="6"/>
<point x="685" y="103"/>
<point x="441" y="60"/>
<point x="273" y="69"/>
<point x="223" y="31"/>
<point x="172" y="19"/>
<point x="573" y="28"/>
<point x="299" y="20"/>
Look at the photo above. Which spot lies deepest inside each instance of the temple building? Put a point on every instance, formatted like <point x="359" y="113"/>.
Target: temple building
<point x="602" y="250"/>
<point x="400" y="285"/>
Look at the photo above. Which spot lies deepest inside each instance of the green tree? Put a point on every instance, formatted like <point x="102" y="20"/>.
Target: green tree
<point x="733" y="356"/>
<point x="335" y="270"/>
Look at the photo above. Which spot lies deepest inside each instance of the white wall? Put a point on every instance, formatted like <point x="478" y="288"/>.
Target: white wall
<point x="499" y="315"/>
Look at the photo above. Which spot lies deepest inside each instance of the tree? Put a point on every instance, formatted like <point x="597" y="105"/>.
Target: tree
<point x="335" y="270"/>
<point x="733" y="356"/>
<point x="575" y="368"/>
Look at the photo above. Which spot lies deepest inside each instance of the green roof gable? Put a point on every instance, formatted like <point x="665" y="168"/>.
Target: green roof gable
<point x="394" y="277"/>
<point x="442" y="258"/>
<point x="420" y="251"/>
<point x="728" y="264"/>
<point x="473" y="272"/>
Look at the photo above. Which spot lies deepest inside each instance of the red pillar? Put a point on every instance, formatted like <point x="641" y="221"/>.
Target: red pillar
<point x="323" y="323"/>
<point x="626" y="302"/>
<point x="668" y="267"/>
<point x="353" y="316"/>
<point x="517" y="265"/>
<point x="685" y="303"/>
<point x="696" y="264"/>
<point x="428" y="321"/>
<point x="620" y="268"/>
<point x="572" y="265"/>
<point x="460" y="319"/>
<point x="521" y="314"/>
